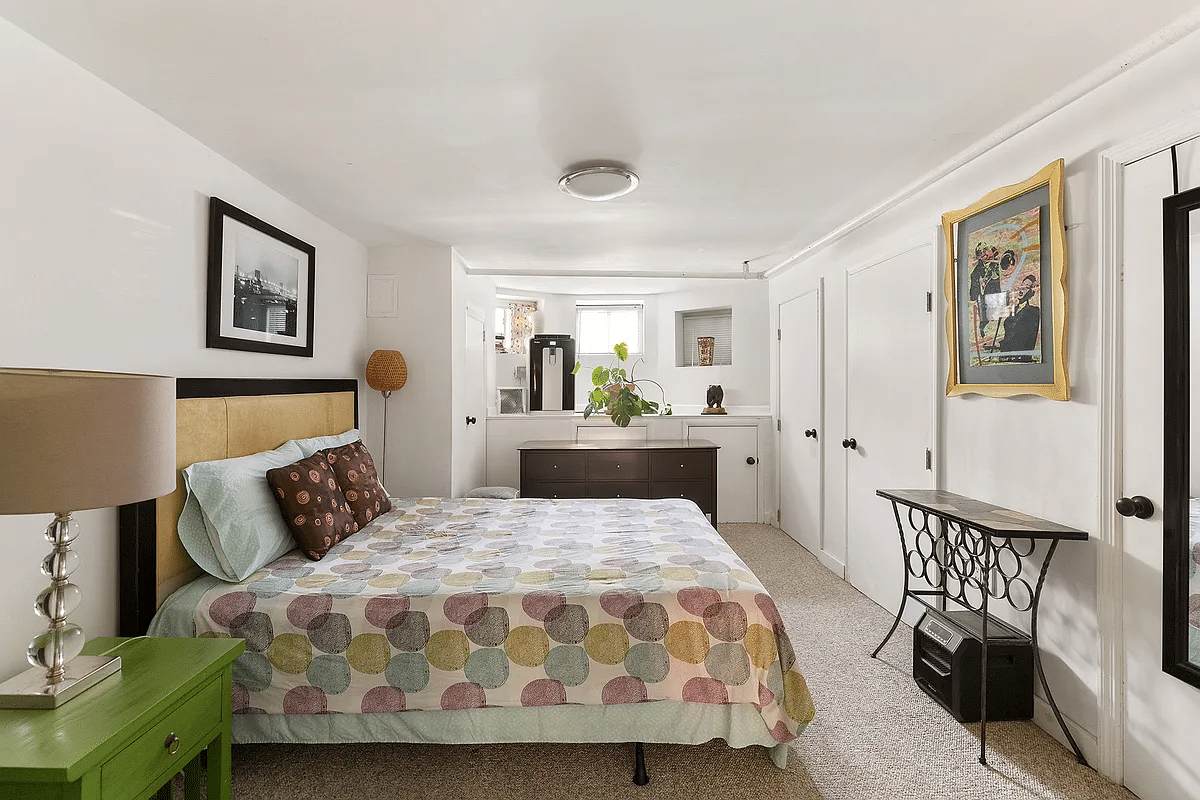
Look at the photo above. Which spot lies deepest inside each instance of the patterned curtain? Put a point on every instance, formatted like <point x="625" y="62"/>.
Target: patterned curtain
<point x="521" y="315"/>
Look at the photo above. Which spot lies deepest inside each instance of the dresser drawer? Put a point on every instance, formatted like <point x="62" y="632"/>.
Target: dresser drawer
<point x="699" y="492"/>
<point x="638" y="490"/>
<point x="555" y="490"/>
<point x="618" y="465"/>
<point x="681" y="465"/>
<point x="144" y="762"/>
<point x="554" y="466"/>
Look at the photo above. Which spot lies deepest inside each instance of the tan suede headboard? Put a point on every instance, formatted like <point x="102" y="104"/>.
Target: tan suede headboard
<point x="210" y="428"/>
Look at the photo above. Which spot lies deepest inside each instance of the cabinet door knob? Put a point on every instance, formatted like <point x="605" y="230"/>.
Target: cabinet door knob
<point x="1136" y="506"/>
<point x="172" y="743"/>
<point x="751" y="460"/>
<point x="811" y="433"/>
<point x="850" y="444"/>
<point x="471" y="420"/>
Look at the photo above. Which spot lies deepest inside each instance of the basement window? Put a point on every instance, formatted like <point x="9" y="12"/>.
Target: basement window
<point x="599" y="328"/>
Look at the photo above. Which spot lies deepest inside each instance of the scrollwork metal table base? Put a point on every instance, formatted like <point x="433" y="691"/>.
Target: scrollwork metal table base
<point x="975" y="555"/>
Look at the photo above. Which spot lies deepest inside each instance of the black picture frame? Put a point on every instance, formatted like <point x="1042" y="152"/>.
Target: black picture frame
<point x="1177" y="448"/>
<point x="261" y="283"/>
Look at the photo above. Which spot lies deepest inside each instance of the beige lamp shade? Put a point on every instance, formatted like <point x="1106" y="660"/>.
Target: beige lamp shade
<point x="386" y="370"/>
<point x="78" y="440"/>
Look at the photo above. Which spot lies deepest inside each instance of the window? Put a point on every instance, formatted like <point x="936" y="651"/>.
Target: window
<point x="598" y="328"/>
<point x="691" y="325"/>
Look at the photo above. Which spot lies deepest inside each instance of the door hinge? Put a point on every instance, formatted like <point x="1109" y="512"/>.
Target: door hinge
<point x="779" y="516"/>
<point x="929" y="301"/>
<point x="928" y="458"/>
<point x="779" y="334"/>
<point x="778" y="425"/>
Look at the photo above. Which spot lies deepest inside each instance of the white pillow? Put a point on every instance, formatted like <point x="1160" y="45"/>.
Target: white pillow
<point x="310" y="446"/>
<point x="231" y="524"/>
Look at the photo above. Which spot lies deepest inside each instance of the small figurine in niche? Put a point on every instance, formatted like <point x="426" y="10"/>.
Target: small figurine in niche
<point x="715" y="396"/>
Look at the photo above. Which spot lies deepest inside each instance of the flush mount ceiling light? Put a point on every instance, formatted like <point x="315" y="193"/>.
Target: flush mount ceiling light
<point x="598" y="182"/>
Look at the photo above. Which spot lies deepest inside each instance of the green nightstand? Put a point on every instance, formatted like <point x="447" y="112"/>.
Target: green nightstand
<point x="129" y="735"/>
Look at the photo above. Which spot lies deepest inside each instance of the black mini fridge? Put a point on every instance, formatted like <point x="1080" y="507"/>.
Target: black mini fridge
<point x="551" y="382"/>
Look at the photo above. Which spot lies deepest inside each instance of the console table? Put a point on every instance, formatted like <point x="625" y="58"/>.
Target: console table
<point x="649" y="470"/>
<point x="974" y="553"/>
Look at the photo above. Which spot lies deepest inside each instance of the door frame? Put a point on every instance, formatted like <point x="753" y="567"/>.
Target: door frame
<point x="809" y="287"/>
<point x="1110" y="581"/>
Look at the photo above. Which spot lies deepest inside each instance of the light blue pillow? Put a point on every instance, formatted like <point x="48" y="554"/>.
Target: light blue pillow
<point x="231" y="524"/>
<point x="310" y="446"/>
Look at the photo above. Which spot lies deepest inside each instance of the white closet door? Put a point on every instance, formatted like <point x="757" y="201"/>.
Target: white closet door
<point x="1162" y="713"/>
<point x="889" y="405"/>
<point x="800" y="385"/>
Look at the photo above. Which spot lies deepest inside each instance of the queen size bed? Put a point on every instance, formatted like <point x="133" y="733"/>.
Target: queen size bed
<point x="467" y="620"/>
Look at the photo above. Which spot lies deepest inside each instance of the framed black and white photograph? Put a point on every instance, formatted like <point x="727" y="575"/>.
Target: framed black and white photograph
<point x="260" y="285"/>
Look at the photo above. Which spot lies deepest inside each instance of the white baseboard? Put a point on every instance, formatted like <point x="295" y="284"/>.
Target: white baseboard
<point x="1043" y="717"/>
<point x="832" y="564"/>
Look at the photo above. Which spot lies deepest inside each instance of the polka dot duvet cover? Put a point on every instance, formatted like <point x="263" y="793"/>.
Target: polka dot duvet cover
<point x="473" y="602"/>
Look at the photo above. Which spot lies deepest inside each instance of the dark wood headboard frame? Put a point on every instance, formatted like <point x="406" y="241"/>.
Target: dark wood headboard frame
<point x="137" y="529"/>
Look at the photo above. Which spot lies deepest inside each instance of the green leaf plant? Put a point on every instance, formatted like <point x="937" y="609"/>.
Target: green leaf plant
<point x="617" y="394"/>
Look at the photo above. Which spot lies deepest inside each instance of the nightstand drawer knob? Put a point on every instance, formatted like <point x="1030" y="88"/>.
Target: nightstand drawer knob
<point x="173" y="743"/>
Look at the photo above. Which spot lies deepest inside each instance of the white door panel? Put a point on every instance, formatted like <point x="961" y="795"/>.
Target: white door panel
<point x="801" y="484"/>
<point x="1162" y="713"/>
<point x="470" y="441"/>
<point x="737" y="480"/>
<point x="889" y="402"/>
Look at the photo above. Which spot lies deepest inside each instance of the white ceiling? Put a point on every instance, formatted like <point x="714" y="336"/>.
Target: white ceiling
<point x="756" y="126"/>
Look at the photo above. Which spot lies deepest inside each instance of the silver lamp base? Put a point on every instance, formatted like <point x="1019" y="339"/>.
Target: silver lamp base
<point x="30" y="690"/>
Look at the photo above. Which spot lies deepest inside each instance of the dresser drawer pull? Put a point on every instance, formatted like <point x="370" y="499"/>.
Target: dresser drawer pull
<point x="172" y="743"/>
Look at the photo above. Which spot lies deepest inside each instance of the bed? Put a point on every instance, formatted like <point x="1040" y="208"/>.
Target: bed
<point x="468" y="620"/>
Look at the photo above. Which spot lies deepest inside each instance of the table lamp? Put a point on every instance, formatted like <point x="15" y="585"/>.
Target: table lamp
<point x="73" y="441"/>
<point x="386" y="372"/>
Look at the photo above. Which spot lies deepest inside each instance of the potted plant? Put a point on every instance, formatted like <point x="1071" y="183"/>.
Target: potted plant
<point x="616" y="393"/>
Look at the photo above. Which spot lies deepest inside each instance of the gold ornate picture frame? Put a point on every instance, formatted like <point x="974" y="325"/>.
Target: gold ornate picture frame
<point x="1005" y="286"/>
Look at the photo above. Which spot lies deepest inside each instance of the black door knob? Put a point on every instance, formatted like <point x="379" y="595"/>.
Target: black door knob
<point x="850" y="444"/>
<point x="1136" y="506"/>
<point x="811" y="432"/>
<point x="470" y="420"/>
<point x="751" y="460"/>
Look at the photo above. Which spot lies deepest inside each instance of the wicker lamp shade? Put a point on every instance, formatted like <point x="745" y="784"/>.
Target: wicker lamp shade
<point x="386" y="370"/>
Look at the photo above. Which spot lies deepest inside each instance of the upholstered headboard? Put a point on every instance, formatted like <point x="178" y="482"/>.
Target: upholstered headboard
<point x="217" y="418"/>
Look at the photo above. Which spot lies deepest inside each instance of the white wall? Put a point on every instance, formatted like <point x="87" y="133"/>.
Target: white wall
<point x="746" y="382"/>
<point x="418" y="448"/>
<point x="104" y="222"/>
<point x="1058" y="477"/>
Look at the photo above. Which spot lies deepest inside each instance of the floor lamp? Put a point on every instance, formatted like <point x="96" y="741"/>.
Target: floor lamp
<point x="73" y="441"/>
<point x="386" y="372"/>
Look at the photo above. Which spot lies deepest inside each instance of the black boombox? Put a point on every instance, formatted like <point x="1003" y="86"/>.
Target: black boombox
<point x="947" y="648"/>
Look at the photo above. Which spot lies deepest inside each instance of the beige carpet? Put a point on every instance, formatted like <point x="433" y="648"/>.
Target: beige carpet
<point x="876" y="736"/>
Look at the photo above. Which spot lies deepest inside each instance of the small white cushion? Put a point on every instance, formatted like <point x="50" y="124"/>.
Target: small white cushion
<point x="495" y="492"/>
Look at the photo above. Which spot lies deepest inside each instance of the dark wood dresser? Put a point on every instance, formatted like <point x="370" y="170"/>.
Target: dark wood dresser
<point x="647" y="470"/>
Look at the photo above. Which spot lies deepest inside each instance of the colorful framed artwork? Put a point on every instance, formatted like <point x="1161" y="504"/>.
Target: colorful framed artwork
<point x="1005" y="286"/>
<point x="260" y="285"/>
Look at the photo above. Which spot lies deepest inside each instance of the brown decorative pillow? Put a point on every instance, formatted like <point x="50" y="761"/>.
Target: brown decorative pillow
<point x="313" y="504"/>
<point x="356" y="475"/>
